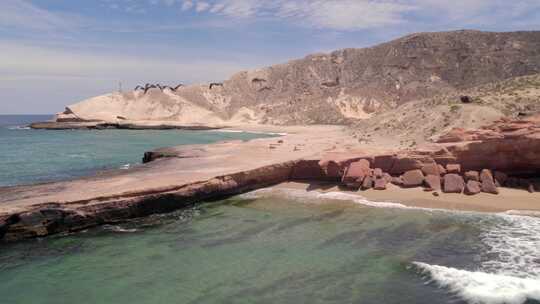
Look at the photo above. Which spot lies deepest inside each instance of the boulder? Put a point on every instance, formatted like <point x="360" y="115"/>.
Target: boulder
<point x="531" y="188"/>
<point x="473" y="187"/>
<point x="488" y="183"/>
<point x="380" y="184"/>
<point x="332" y="169"/>
<point x="356" y="173"/>
<point x="397" y="180"/>
<point x="500" y="178"/>
<point x="453" y="183"/>
<point x="413" y="178"/>
<point x="472" y="175"/>
<point x="367" y="183"/>
<point x="433" y="182"/>
<point x="378" y="172"/>
<point x="442" y="170"/>
<point x="431" y="169"/>
<point x="387" y="177"/>
<point x="453" y="168"/>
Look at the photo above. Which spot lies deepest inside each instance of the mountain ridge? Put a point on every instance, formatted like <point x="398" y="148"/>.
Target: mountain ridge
<point x="340" y="87"/>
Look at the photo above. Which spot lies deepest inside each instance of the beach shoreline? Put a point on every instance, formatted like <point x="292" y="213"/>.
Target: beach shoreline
<point x="175" y="177"/>
<point x="508" y="201"/>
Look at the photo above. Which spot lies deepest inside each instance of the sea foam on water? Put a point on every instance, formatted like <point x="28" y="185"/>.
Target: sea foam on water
<point x="510" y="276"/>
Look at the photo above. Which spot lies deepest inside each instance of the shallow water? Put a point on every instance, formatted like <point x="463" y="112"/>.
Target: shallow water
<point x="30" y="156"/>
<point x="274" y="248"/>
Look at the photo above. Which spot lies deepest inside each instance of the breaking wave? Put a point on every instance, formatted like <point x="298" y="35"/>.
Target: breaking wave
<point x="313" y="196"/>
<point x="482" y="287"/>
<point x="510" y="269"/>
<point x="510" y="274"/>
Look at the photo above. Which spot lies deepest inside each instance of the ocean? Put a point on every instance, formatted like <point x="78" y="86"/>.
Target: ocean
<point x="34" y="156"/>
<point x="267" y="246"/>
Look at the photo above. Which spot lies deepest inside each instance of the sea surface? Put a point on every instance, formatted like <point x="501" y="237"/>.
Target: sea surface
<point x="267" y="247"/>
<point x="32" y="156"/>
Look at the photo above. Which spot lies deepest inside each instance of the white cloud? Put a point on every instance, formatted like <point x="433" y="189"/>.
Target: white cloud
<point x="23" y="14"/>
<point x="333" y="14"/>
<point x="366" y="14"/>
<point x="186" y="5"/>
<point x="202" y="6"/>
<point x="344" y="14"/>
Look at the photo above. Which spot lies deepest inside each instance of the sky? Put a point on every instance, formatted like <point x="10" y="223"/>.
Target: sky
<point x="58" y="52"/>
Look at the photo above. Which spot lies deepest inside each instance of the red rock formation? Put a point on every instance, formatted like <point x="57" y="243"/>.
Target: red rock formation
<point x="413" y="178"/>
<point x="513" y="147"/>
<point x="453" y="183"/>
<point x="472" y="187"/>
<point x="356" y="173"/>
<point x="433" y="182"/>
<point x="488" y="183"/>
<point x="453" y="168"/>
<point x="472" y="175"/>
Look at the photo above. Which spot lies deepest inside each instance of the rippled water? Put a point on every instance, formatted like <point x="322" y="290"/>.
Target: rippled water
<point x="269" y="247"/>
<point x="30" y="156"/>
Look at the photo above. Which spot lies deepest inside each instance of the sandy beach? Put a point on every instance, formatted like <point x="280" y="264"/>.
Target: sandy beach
<point x="508" y="199"/>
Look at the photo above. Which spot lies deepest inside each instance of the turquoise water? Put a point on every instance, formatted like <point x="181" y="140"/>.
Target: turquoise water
<point x="270" y="246"/>
<point x="30" y="156"/>
<point x="273" y="249"/>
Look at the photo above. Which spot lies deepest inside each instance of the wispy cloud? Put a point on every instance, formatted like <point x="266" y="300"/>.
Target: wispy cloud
<point x="23" y="14"/>
<point x="365" y="14"/>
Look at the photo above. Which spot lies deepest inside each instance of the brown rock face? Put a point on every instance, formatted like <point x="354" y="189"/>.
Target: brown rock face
<point x="453" y="168"/>
<point x="380" y="183"/>
<point x="513" y="148"/>
<point x="431" y="169"/>
<point x="488" y="184"/>
<point x="356" y="173"/>
<point x="442" y="170"/>
<point x="453" y="183"/>
<point x="472" y="175"/>
<point x="398" y="181"/>
<point x="340" y="86"/>
<point x="500" y="178"/>
<point x="433" y="182"/>
<point x="473" y="187"/>
<point x="367" y="183"/>
<point x="413" y="178"/>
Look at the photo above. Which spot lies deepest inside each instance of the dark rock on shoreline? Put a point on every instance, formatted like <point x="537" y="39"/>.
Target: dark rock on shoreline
<point x="100" y="125"/>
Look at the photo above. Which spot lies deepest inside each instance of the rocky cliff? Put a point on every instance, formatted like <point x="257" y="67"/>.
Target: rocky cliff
<point x="341" y="87"/>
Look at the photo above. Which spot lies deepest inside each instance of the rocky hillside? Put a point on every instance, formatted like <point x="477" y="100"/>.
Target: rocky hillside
<point x="341" y="87"/>
<point x="425" y="119"/>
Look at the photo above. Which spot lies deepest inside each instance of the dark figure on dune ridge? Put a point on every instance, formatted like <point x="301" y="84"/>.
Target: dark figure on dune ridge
<point x="149" y="86"/>
<point x="215" y="84"/>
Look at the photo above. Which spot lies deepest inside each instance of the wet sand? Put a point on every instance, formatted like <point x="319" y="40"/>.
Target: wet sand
<point x="507" y="200"/>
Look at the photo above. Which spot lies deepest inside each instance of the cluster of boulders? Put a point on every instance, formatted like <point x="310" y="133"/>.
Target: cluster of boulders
<point x="432" y="177"/>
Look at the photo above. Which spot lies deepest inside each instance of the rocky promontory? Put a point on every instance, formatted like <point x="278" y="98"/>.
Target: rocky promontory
<point x="465" y="161"/>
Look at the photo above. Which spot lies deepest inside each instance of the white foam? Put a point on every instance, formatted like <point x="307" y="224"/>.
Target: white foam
<point x="19" y="128"/>
<point x="116" y="228"/>
<point x="126" y="167"/>
<point x="482" y="287"/>
<point x="510" y="272"/>
<point x="514" y="241"/>
<point x="312" y="196"/>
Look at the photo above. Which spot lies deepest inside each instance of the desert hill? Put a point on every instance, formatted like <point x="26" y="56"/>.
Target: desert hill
<point x="351" y="86"/>
<point x="424" y="119"/>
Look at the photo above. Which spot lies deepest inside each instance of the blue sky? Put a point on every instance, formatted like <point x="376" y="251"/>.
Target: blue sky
<point x="58" y="52"/>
